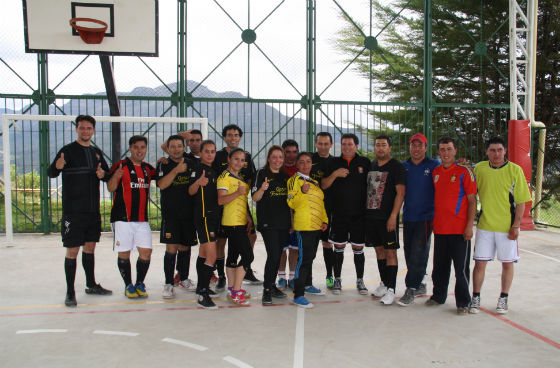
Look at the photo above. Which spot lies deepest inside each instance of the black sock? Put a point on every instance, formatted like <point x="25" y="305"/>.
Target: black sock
<point x="142" y="266"/>
<point x="503" y="295"/>
<point x="381" y="265"/>
<point x="88" y="262"/>
<point x="391" y="275"/>
<point x="220" y="266"/>
<point x="70" y="271"/>
<point x="200" y="273"/>
<point x="475" y="294"/>
<point x="359" y="262"/>
<point x="168" y="267"/>
<point x="183" y="260"/>
<point x="328" y="256"/>
<point x="124" y="269"/>
<point x="338" y="260"/>
<point x="206" y="274"/>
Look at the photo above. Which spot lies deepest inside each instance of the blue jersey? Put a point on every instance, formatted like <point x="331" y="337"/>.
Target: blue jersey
<point x="419" y="197"/>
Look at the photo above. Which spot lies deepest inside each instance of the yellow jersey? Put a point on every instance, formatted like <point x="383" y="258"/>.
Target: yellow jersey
<point x="235" y="212"/>
<point x="309" y="208"/>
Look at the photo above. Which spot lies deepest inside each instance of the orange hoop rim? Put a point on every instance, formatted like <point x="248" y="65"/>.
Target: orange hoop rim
<point x="88" y="29"/>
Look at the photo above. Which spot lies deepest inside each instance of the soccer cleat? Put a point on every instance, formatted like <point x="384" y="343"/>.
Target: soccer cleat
<point x="206" y="302"/>
<point x="474" y="308"/>
<point x="422" y="290"/>
<point x="362" y="289"/>
<point x="502" y="307"/>
<point x="302" y="302"/>
<point x="240" y="299"/>
<point x="187" y="285"/>
<point x="313" y="290"/>
<point x="291" y="284"/>
<point x="462" y="311"/>
<point x="330" y="282"/>
<point x="267" y="297"/>
<point x="98" y="290"/>
<point x="167" y="292"/>
<point x="130" y="292"/>
<point x="251" y="279"/>
<point x="380" y="291"/>
<point x="70" y="300"/>
<point x="277" y="293"/>
<point x="221" y="285"/>
<point x="337" y="287"/>
<point x="176" y="279"/>
<point x="389" y="297"/>
<point x="431" y="302"/>
<point x="282" y="283"/>
<point x="408" y="298"/>
<point x="141" y="290"/>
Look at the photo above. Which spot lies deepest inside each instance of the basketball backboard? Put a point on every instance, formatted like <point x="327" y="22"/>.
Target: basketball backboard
<point x="132" y="26"/>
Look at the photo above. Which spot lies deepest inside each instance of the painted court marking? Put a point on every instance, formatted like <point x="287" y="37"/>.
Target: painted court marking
<point x="236" y="362"/>
<point x="299" y="340"/>
<point x="116" y="333"/>
<point x="542" y="255"/>
<point x="40" y="331"/>
<point x="185" y="344"/>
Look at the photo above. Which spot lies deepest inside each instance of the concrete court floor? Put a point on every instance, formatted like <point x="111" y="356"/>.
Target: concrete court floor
<point x="350" y="330"/>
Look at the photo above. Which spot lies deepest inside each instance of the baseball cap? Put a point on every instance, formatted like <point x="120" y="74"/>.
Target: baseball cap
<point x="419" y="136"/>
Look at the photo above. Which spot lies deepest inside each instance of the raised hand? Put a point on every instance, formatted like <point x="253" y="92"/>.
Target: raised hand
<point x="119" y="172"/>
<point x="305" y="186"/>
<point x="181" y="166"/>
<point x="203" y="180"/>
<point x="342" y="172"/>
<point x="60" y="163"/>
<point x="265" y="184"/>
<point x="164" y="160"/>
<point x="100" y="172"/>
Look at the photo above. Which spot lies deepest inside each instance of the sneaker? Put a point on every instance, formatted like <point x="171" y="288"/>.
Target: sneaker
<point x="98" y="290"/>
<point x="291" y="284"/>
<point x="212" y="292"/>
<point x="187" y="285"/>
<point x="277" y="293"/>
<point x="141" y="290"/>
<point x="282" y="283"/>
<point x="337" y="287"/>
<point x="70" y="300"/>
<point x="251" y="279"/>
<point x="330" y="282"/>
<point x="242" y="291"/>
<point x="302" y="302"/>
<point x="206" y="302"/>
<point x="474" y="308"/>
<point x="176" y="279"/>
<point x="389" y="297"/>
<point x="167" y="292"/>
<point x="362" y="289"/>
<point x="267" y="297"/>
<point x="214" y="279"/>
<point x="408" y="298"/>
<point x="221" y="285"/>
<point x="431" y="302"/>
<point x="502" y="307"/>
<point x="239" y="298"/>
<point x="422" y="290"/>
<point x="313" y="290"/>
<point x="380" y="291"/>
<point x="130" y="292"/>
<point x="462" y="311"/>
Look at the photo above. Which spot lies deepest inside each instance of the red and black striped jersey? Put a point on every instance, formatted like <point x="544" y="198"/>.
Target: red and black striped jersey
<point x="130" y="200"/>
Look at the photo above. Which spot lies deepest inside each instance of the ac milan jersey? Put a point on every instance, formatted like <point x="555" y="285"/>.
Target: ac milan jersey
<point x="130" y="200"/>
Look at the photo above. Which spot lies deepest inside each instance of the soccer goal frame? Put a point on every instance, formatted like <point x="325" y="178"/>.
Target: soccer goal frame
<point x="10" y="120"/>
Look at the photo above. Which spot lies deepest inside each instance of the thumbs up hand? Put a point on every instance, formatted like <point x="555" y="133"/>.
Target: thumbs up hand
<point x="100" y="172"/>
<point x="203" y="180"/>
<point x="305" y="186"/>
<point x="265" y="184"/>
<point x="60" y="163"/>
<point x="181" y="166"/>
<point x="241" y="189"/>
<point x="119" y="172"/>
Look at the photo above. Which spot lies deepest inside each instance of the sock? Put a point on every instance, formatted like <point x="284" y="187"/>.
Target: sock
<point x="230" y="289"/>
<point x="70" y="271"/>
<point x="124" y="269"/>
<point x="199" y="272"/>
<point x="391" y="275"/>
<point x="291" y="275"/>
<point x="220" y="267"/>
<point x="503" y="295"/>
<point x="338" y="261"/>
<point x="88" y="262"/>
<point x="183" y="263"/>
<point x="142" y="266"/>
<point x="476" y="294"/>
<point x="328" y="256"/>
<point x="207" y="271"/>
<point x="168" y="267"/>
<point x="381" y="265"/>
<point x="359" y="262"/>
<point x="282" y="275"/>
<point x="424" y="279"/>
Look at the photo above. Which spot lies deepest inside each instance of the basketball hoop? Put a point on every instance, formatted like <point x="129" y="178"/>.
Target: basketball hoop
<point x="90" y="35"/>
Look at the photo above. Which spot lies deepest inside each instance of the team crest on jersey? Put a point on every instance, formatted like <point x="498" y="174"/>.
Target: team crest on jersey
<point x="193" y="174"/>
<point x="436" y="178"/>
<point x="453" y="178"/>
<point x="168" y="235"/>
<point x="211" y="234"/>
<point x="360" y="169"/>
<point x="132" y="172"/>
<point x="426" y="172"/>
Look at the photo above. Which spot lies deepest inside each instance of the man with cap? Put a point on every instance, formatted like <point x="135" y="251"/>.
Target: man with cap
<point x="418" y="213"/>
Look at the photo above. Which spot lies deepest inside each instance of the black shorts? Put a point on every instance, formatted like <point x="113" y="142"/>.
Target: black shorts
<point x="378" y="236"/>
<point x="222" y="234"/>
<point x="77" y="229"/>
<point x="348" y="229"/>
<point x="178" y="231"/>
<point x="207" y="229"/>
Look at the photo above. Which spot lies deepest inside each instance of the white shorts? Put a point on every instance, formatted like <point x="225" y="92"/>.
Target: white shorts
<point x="490" y="243"/>
<point x="129" y="235"/>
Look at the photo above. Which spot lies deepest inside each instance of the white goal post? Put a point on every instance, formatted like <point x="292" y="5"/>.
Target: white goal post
<point x="9" y="119"/>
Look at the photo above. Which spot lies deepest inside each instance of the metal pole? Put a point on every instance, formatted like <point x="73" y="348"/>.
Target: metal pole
<point x="114" y="106"/>
<point x="44" y="146"/>
<point x="310" y="74"/>
<point x="427" y="90"/>
<point x="181" y="40"/>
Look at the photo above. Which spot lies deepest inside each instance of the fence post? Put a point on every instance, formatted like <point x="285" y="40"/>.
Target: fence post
<point x="44" y="146"/>
<point x="427" y="92"/>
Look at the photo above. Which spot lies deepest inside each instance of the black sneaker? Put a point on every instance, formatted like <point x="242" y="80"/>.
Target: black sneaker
<point x="221" y="285"/>
<point x="277" y="293"/>
<point x="267" y="297"/>
<point x="98" y="290"/>
<point x="251" y="279"/>
<point x="70" y="300"/>
<point x="206" y="302"/>
<point x="212" y="292"/>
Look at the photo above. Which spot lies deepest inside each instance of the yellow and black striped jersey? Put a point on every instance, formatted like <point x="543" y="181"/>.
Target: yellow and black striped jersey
<point x="235" y="212"/>
<point x="309" y="208"/>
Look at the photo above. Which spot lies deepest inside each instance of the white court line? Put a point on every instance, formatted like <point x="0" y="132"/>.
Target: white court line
<point x="236" y="362"/>
<point x="185" y="343"/>
<point x="117" y="333"/>
<point x="298" y="345"/>
<point x="40" y="331"/>
<point x="542" y="255"/>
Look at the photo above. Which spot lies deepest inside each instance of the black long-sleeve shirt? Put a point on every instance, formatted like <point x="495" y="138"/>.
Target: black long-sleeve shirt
<point x="80" y="184"/>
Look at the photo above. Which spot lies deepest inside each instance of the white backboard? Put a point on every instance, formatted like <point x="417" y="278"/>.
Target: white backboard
<point x="132" y="26"/>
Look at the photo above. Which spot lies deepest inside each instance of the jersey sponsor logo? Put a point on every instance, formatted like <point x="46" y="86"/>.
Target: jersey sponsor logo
<point x="436" y="178"/>
<point x="141" y="184"/>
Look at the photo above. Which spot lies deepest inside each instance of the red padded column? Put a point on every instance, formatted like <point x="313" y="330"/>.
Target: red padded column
<point x="519" y="152"/>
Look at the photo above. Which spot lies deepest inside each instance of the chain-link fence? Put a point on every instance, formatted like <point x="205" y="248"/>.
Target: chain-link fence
<point x="546" y="210"/>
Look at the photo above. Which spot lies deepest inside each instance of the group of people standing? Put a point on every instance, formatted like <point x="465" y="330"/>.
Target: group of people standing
<point x="301" y="199"/>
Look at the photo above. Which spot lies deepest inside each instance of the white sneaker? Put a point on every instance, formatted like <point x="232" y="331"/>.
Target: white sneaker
<point x="389" y="297"/>
<point x="380" y="291"/>
<point x="502" y="307"/>
<point x="167" y="292"/>
<point x="187" y="285"/>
